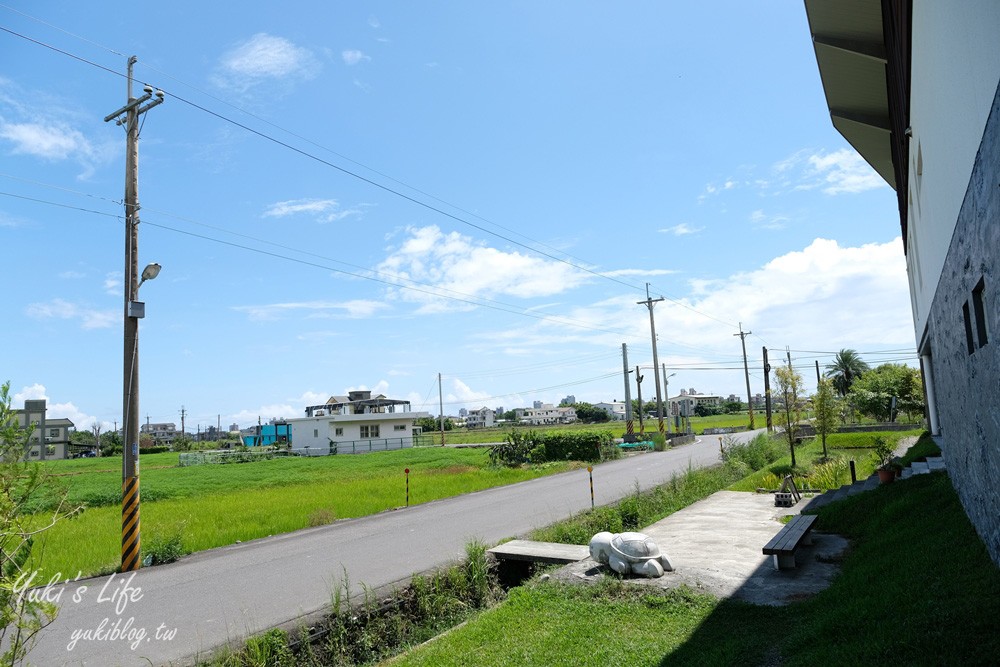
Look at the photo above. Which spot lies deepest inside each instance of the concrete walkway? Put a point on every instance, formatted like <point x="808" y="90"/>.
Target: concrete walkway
<point x="716" y="547"/>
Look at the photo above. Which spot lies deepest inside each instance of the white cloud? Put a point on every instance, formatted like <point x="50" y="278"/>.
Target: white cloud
<point x="262" y="58"/>
<point x="681" y="229"/>
<point x="461" y="392"/>
<point x="353" y="56"/>
<point x="455" y="263"/>
<point x="374" y="22"/>
<point x="113" y="283"/>
<point x="45" y="140"/>
<point x="61" y="309"/>
<point x="355" y="309"/>
<point x="845" y="171"/>
<point x="81" y="420"/>
<point x="761" y="220"/>
<point x="823" y="297"/>
<point x="325" y="210"/>
<point x="619" y="273"/>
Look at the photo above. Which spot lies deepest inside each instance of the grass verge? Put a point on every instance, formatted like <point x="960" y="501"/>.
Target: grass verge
<point x="917" y="588"/>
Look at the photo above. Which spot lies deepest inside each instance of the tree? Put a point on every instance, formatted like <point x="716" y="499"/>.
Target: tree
<point x="587" y="413"/>
<point x="430" y="424"/>
<point x="22" y="484"/>
<point x="85" y="438"/>
<point x="789" y="384"/>
<point x="827" y="412"/>
<point x="847" y="367"/>
<point x="509" y="416"/>
<point x="733" y="407"/>
<point x="873" y="392"/>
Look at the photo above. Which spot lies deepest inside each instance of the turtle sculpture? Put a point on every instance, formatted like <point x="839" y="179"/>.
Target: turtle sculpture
<point x="630" y="553"/>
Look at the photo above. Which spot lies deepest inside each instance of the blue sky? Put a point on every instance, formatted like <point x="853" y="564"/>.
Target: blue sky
<point x="348" y="195"/>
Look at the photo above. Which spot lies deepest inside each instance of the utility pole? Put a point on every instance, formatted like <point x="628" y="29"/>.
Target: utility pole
<point x="817" y="374"/>
<point x="441" y="407"/>
<point x="629" y="427"/>
<point x="656" y="363"/>
<point x="767" y="391"/>
<point x="638" y="387"/>
<point x="134" y="107"/>
<point x="666" y="392"/>
<point x="746" y="370"/>
<point x="788" y="414"/>
<point x="184" y="414"/>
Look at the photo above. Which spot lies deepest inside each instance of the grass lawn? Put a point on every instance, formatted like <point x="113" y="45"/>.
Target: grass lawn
<point x="916" y="588"/>
<point x="214" y="505"/>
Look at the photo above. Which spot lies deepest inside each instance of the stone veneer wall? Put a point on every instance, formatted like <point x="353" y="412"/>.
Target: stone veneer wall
<point x="968" y="385"/>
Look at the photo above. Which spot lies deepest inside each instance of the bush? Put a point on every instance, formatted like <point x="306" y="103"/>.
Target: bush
<point x="755" y="454"/>
<point x="160" y="550"/>
<point x="578" y="446"/>
<point x="154" y="449"/>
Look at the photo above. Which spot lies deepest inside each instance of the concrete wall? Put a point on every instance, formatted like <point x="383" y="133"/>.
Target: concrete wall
<point x="955" y="67"/>
<point x="967" y="386"/>
<point x="312" y="435"/>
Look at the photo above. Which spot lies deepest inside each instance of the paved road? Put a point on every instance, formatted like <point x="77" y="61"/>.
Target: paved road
<point x="217" y="596"/>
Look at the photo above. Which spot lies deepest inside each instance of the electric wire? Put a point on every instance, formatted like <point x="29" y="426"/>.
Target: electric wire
<point x="369" y="181"/>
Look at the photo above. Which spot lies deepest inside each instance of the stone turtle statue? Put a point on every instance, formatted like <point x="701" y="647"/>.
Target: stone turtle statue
<point x="630" y="553"/>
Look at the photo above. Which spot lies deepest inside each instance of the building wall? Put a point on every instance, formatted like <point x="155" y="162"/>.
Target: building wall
<point x="955" y="67"/>
<point x="312" y="435"/>
<point x="966" y="385"/>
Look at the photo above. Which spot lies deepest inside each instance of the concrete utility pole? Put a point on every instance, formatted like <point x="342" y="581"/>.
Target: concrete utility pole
<point x="441" y="407"/>
<point x="767" y="391"/>
<point x="666" y="391"/>
<point x="746" y="370"/>
<point x="656" y="363"/>
<point x="184" y="414"/>
<point x="128" y="116"/>
<point x="638" y="387"/>
<point x="629" y="427"/>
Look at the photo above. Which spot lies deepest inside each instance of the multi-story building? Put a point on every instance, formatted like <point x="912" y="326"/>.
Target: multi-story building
<point x="912" y="85"/>
<point x="481" y="418"/>
<point x="356" y="423"/>
<point x="683" y="404"/>
<point x="49" y="438"/>
<point x="545" y="413"/>
<point x="162" y="432"/>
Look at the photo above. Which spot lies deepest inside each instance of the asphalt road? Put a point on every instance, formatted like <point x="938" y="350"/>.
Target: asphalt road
<point x="171" y="614"/>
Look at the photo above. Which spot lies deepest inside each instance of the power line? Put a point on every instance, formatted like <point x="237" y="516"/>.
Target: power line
<point x="369" y="181"/>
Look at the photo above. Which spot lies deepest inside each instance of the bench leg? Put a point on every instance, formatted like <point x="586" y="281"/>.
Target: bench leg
<point x="784" y="561"/>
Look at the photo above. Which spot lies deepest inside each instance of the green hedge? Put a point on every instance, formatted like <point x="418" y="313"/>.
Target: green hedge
<point x="577" y="446"/>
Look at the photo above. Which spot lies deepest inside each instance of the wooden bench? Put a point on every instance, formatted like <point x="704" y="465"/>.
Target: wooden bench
<point x="783" y="545"/>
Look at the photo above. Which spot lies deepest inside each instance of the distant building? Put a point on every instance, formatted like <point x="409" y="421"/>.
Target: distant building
<point x="462" y="412"/>
<point x="356" y="423"/>
<point x="162" y="433"/>
<point x="481" y="418"/>
<point x="50" y="437"/>
<point x="537" y="404"/>
<point x="569" y="400"/>
<point x="545" y="413"/>
<point x="269" y="434"/>
<point x="615" y="410"/>
<point x="683" y="405"/>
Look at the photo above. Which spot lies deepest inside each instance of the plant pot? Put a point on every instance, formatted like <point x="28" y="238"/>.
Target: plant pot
<point x="886" y="476"/>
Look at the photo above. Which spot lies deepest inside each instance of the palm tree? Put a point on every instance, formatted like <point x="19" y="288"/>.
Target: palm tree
<point x="847" y="367"/>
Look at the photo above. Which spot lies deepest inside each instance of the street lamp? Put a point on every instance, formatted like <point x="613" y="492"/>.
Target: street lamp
<point x="128" y="116"/>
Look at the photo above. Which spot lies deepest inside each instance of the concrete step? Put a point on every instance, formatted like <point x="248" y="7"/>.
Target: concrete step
<point x="920" y="468"/>
<point x="540" y="552"/>
<point x="935" y="462"/>
<point x="870" y="483"/>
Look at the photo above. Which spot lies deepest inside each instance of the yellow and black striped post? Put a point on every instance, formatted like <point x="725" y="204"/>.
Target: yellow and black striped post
<point x="590" y="471"/>
<point x="130" y="524"/>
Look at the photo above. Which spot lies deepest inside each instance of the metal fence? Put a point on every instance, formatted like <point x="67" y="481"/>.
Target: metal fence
<point x="228" y="456"/>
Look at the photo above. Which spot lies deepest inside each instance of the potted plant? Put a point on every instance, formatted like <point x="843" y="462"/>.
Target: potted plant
<point x="882" y="457"/>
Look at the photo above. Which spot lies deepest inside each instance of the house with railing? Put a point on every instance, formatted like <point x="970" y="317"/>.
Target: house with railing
<point x="355" y="424"/>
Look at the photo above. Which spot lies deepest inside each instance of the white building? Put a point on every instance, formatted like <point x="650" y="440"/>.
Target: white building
<point x="684" y="403"/>
<point x="481" y="418"/>
<point x="546" y="413"/>
<point x="163" y="432"/>
<point x="357" y="424"/>
<point x="912" y="85"/>
<point x="615" y="410"/>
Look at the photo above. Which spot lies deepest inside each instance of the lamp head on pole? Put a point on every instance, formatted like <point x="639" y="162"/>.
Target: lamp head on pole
<point x="151" y="271"/>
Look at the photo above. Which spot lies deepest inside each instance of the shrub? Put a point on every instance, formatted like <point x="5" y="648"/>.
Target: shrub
<point x="755" y="454"/>
<point x="160" y="550"/>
